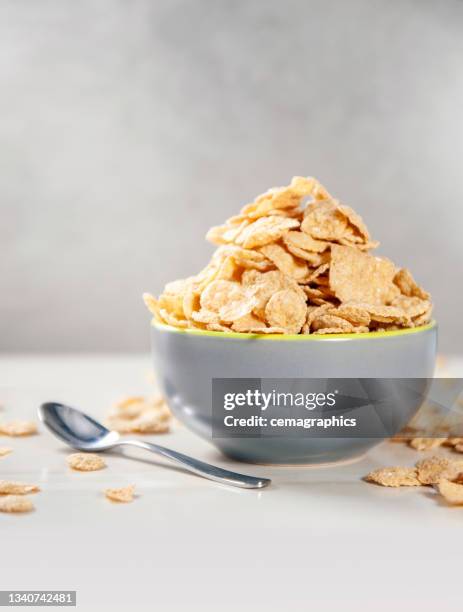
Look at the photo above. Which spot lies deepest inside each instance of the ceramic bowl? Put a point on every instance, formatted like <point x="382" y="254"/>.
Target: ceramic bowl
<point x="187" y="360"/>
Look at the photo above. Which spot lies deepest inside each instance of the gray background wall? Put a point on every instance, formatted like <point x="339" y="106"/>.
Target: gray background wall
<point x="127" y="128"/>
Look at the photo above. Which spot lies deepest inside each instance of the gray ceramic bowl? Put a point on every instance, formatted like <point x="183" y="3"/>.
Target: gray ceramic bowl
<point x="187" y="360"/>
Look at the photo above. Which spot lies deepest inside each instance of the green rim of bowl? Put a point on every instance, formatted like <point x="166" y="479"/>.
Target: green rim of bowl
<point x="296" y="337"/>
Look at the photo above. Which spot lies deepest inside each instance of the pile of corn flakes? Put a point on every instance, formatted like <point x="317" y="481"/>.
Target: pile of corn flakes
<point x="294" y="261"/>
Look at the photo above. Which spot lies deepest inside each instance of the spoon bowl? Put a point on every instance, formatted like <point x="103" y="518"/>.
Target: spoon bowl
<point x="76" y="428"/>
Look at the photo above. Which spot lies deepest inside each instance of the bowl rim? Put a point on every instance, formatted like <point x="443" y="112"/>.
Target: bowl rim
<point x="295" y="337"/>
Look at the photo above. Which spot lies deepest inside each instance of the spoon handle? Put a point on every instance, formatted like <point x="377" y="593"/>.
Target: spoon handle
<point x="203" y="469"/>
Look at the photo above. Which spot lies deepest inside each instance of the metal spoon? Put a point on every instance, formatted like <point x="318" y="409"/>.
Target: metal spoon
<point x="84" y="433"/>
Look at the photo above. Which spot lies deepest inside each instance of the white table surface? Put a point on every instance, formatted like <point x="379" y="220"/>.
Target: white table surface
<point x="317" y="539"/>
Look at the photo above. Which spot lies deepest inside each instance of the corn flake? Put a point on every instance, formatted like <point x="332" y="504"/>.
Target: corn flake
<point x="423" y="444"/>
<point x="122" y="495"/>
<point x="394" y="477"/>
<point x="412" y="306"/>
<point x="289" y="197"/>
<point x="325" y="320"/>
<point x="323" y="221"/>
<point x="304" y="241"/>
<point x="15" y="503"/>
<point x="17" y="488"/>
<point x="286" y="309"/>
<point x="452" y="492"/>
<point x="219" y="293"/>
<point x="359" y="277"/>
<point x="18" y="428"/>
<point x="286" y="262"/>
<point x="354" y="314"/>
<point x="265" y="230"/>
<point x="433" y="469"/>
<point x="140" y="415"/>
<point x="248" y="324"/>
<point x="85" y="462"/>
<point x="407" y="285"/>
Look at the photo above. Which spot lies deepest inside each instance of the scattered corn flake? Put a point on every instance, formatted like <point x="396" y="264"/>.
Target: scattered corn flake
<point x="130" y="410"/>
<point x="406" y="434"/>
<point x="130" y="407"/>
<point x="432" y="469"/>
<point x="453" y="441"/>
<point x="423" y="444"/>
<point x="85" y="462"/>
<point x="135" y="400"/>
<point x="121" y="495"/>
<point x="17" y="488"/>
<point x="4" y="451"/>
<point x="15" y="503"/>
<point x="452" y="492"/>
<point x="394" y="477"/>
<point x="18" y="428"/>
<point x="140" y="415"/>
